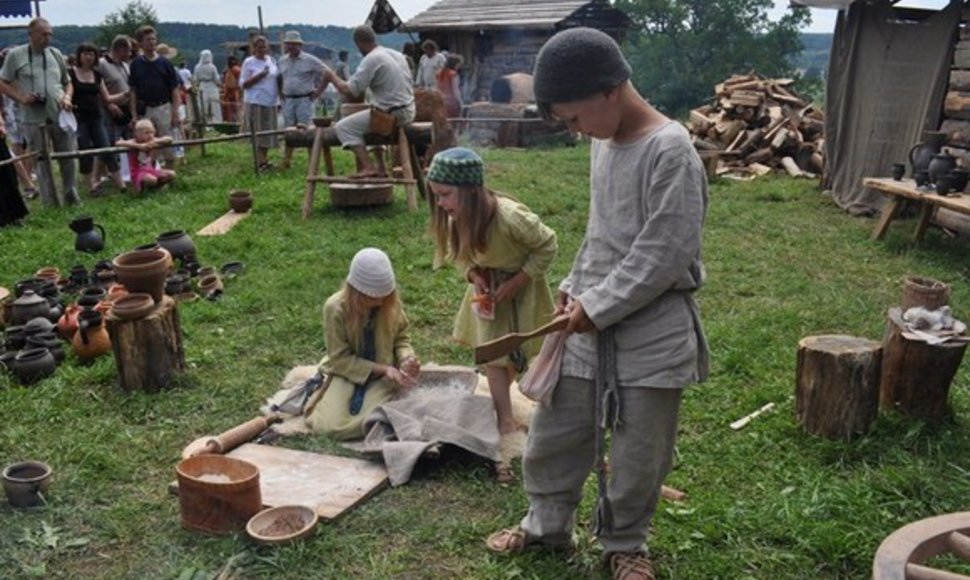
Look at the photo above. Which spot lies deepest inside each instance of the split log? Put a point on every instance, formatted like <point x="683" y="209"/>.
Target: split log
<point x="961" y="56"/>
<point x="759" y="156"/>
<point x="791" y="167"/>
<point x="916" y="376"/>
<point x="958" y="132"/>
<point x="837" y="385"/>
<point x="148" y="351"/>
<point x="747" y="98"/>
<point x="700" y="123"/>
<point x="959" y="80"/>
<point x="957" y="105"/>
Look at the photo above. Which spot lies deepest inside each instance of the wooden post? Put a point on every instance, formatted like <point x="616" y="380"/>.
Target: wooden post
<point x="837" y="381"/>
<point x="916" y="376"/>
<point x="311" y="185"/>
<point x="148" y="351"/>
<point x="404" y="147"/>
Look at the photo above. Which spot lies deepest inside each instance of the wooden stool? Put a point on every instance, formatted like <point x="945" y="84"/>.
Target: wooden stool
<point x="902" y="555"/>
<point x="148" y="351"/>
<point x="404" y="139"/>
<point x="837" y="384"/>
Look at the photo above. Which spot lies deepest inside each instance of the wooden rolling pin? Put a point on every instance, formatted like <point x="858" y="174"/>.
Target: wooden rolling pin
<point x="229" y="440"/>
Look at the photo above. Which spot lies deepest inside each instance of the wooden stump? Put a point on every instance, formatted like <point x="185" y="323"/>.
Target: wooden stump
<point x="148" y="351"/>
<point x="916" y="376"/>
<point x="837" y="381"/>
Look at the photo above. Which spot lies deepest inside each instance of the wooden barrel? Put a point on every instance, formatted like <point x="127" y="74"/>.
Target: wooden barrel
<point x="217" y="494"/>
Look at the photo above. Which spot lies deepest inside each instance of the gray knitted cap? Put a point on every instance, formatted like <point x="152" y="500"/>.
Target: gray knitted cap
<point x="578" y="63"/>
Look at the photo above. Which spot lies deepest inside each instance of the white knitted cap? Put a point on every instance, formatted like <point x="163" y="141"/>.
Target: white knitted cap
<point x="371" y="273"/>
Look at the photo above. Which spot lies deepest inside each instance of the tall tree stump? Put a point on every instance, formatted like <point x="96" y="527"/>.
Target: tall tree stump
<point x="148" y="351"/>
<point x="916" y="376"/>
<point x="837" y="384"/>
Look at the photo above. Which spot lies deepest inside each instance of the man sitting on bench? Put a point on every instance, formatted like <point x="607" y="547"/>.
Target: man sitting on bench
<point x="386" y="73"/>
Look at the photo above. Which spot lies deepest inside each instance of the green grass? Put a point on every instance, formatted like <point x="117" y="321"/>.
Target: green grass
<point x="766" y="502"/>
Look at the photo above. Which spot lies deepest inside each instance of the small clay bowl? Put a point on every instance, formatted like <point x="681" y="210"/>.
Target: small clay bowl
<point x="282" y="524"/>
<point x="240" y="201"/>
<point x="230" y="269"/>
<point x="322" y="121"/>
<point x="133" y="306"/>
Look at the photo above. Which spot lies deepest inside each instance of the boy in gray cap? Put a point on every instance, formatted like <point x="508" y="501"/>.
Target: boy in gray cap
<point x="635" y="334"/>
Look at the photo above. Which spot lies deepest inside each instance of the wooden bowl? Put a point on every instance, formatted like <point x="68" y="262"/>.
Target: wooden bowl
<point x="360" y="194"/>
<point x="133" y="306"/>
<point x="322" y="121"/>
<point x="282" y="524"/>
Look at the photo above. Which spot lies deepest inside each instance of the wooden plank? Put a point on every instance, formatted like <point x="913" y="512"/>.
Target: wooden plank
<point x="961" y="57"/>
<point x="223" y="224"/>
<point x="362" y="180"/>
<point x="906" y="188"/>
<point x="331" y="485"/>
<point x="889" y="212"/>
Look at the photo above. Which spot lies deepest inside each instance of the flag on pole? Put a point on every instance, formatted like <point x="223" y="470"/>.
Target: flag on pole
<point x="383" y="18"/>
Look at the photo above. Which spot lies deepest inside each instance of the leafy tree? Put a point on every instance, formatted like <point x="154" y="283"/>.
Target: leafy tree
<point x="125" y="20"/>
<point x="680" y="49"/>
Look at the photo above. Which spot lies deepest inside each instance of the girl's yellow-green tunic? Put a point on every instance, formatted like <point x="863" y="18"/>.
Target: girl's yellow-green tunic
<point x="515" y="240"/>
<point x="343" y="363"/>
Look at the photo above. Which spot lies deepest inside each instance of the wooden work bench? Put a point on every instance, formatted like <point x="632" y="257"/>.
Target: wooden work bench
<point x="928" y="202"/>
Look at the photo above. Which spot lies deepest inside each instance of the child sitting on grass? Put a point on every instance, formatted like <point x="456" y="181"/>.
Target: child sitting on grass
<point x="369" y="354"/>
<point x="142" y="158"/>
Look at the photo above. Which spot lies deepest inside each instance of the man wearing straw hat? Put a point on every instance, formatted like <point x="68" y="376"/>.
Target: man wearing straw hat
<point x="155" y="87"/>
<point x="302" y="80"/>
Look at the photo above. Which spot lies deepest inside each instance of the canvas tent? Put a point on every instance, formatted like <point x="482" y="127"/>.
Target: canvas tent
<point x="887" y="79"/>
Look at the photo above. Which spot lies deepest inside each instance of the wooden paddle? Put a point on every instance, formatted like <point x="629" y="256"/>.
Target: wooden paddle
<point x="502" y="346"/>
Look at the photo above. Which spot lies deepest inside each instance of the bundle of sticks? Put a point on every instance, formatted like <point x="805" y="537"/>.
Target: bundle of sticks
<point x="755" y="125"/>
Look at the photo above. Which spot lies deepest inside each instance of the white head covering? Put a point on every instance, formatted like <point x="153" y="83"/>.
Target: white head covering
<point x="205" y="57"/>
<point x="371" y="273"/>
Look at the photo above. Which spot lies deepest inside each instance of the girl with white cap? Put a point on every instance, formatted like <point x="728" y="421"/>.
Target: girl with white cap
<point x="369" y="354"/>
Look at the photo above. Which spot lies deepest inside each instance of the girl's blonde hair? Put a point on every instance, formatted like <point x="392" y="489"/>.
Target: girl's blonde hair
<point x="458" y="238"/>
<point x="142" y="124"/>
<point x="357" y="310"/>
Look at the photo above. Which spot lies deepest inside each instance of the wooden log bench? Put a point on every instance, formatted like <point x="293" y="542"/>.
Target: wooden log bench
<point x="406" y="139"/>
<point x="928" y="202"/>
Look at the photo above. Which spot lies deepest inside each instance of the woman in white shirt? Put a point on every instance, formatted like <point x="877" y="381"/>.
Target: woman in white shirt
<point x="259" y="81"/>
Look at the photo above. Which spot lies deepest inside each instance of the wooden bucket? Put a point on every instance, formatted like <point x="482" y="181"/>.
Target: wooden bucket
<point x="217" y="494"/>
<point x="926" y="292"/>
<point x="360" y="194"/>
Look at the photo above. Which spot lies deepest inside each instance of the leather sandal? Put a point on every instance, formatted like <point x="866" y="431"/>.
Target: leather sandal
<point x="631" y="566"/>
<point x="503" y="472"/>
<point x="507" y="541"/>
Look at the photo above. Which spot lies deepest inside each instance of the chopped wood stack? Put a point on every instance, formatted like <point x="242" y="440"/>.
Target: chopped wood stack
<point x="956" y="107"/>
<point x="755" y="125"/>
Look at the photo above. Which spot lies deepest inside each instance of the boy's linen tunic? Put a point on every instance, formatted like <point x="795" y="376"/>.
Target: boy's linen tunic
<point x="640" y="261"/>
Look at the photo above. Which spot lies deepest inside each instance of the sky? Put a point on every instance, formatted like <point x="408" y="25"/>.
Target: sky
<point x="336" y="12"/>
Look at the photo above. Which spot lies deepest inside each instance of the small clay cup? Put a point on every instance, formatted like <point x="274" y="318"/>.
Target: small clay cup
<point x="944" y="183"/>
<point x="899" y="170"/>
<point x="133" y="306"/>
<point x="922" y="178"/>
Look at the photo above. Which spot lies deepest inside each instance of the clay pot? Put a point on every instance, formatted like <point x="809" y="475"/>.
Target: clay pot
<point x="33" y="364"/>
<point x="38" y="326"/>
<point x="67" y="325"/>
<point x="48" y="273"/>
<point x="87" y="239"/>
<point x="177" y="284"/>
<point x="178" y="243"/>
<point x="922" y="177"/>
<point x="116" y="291"/>
<point x="133" y="306"/>
<point x="232" y="269"/>
<point x="91" y="340"/>
<point x="143" y="271"/>
<point x="29" y="306"/>
<point x="205" y="271"/>
<point x="240" y="201"/>
<point x="210" y="286"/>
<point x="155" y="246"/>
<point x="14" y="338"/>
<point x="56" y="309"/>
<point x="26" y="483"/>
<point x="79" y="275"/>
<point x="49" y="341"/>
<point x="960" y="179"/>
<point x="941" y="165"/>
<point x="943" y="184"/>
<point x="922" y="153"/>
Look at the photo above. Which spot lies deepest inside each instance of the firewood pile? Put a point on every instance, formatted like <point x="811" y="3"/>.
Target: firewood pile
<point x="755" y="125"/>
